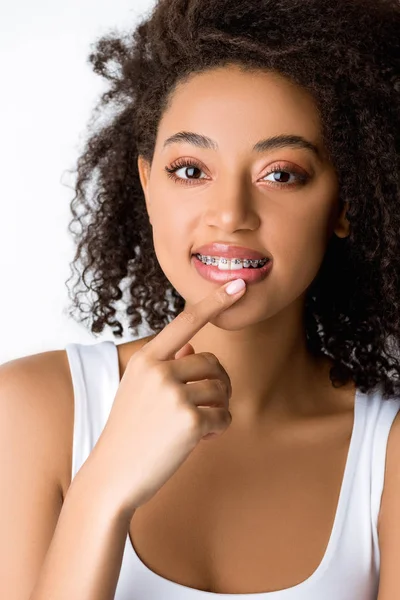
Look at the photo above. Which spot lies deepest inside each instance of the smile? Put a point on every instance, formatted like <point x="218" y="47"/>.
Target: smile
<point x="222" y="269"/>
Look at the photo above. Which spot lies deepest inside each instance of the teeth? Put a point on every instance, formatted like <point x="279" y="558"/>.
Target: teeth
<point x="226" y="264"/>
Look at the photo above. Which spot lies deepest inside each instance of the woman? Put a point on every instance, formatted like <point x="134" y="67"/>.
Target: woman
<point x="249" y="446"/>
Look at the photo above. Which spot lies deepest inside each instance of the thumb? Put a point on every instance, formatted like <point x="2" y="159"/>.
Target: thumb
<point x="185" y="351"/>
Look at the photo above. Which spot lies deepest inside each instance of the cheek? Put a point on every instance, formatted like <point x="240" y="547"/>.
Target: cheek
<point x="174" y="222"/>
<point x="300" y="245"/>
<point x="171" y="239"/>
<point x="168" y="210"/>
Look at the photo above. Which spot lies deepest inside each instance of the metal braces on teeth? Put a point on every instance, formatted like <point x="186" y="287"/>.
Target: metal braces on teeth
<point x="207" y="260"/>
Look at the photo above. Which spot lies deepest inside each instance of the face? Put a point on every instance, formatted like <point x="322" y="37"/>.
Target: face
<point x="279" y="201"/>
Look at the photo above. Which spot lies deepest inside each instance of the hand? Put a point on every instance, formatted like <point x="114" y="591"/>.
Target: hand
<point x="157" y="417"/>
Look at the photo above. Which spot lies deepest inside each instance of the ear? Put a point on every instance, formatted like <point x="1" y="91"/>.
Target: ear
<point x="342" y="228"/>
<point x="144" y="175"/>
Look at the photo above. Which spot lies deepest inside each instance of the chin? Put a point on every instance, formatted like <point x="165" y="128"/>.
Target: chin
<point x="234" y="319"/>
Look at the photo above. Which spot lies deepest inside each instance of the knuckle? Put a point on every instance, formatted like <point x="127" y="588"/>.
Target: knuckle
<point x="162" y="372"/>
<point x="224" y="386"/>
<point x="220" y="297"/>
<point x="135" y="362"/>
<point x="192" y="418"/>
<point x="219" y="385"/>
<point x="140" y="357"/>
<point x="179" y="397"/>
<point x="211" y="358"/>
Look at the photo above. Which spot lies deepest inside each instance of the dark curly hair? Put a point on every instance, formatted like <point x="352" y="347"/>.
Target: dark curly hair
<point x="346" y="53"/>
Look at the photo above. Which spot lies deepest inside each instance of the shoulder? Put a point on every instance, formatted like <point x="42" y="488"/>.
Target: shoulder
<point x="389" y="516"/>
<point x="393" y="449"/>
<point x="36" y="399"/>
<point x="37" y="396"/>
<point x="391" y="477"/>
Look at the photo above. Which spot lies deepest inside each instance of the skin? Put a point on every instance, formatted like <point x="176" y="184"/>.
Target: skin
<point x="260" y="340"/>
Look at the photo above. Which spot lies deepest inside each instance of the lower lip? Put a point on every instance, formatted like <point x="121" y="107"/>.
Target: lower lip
<point x="250" y="275"/>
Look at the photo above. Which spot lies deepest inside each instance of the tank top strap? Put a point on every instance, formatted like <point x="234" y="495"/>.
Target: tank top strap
<point x="95" y="378"/>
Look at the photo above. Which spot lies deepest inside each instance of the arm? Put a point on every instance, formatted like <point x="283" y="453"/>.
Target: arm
<point x="50" y="547"/>
<point x="85" y="556"/>
<point x="389" y="519"/>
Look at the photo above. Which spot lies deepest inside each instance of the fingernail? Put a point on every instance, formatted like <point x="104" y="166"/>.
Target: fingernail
<point x="235" y="286"/>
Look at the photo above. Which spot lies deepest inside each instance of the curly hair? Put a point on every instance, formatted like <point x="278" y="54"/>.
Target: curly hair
<point x="346" y="53"/>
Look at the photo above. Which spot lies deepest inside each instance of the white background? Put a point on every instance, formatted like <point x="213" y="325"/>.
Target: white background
<point x="48" y="91"/>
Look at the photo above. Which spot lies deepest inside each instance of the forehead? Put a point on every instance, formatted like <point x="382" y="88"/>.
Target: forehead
<point x="228" y="102"/>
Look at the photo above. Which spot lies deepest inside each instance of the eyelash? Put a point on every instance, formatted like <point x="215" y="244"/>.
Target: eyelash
<point x="192" y="163"/>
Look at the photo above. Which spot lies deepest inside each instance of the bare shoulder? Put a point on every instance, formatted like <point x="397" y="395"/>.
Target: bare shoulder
<point x="40" y="385"/>
<point x="392" y="473"/>
<point x="389" y="517"/>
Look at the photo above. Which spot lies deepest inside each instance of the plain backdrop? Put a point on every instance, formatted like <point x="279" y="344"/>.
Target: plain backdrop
<point x="48" y="92"/>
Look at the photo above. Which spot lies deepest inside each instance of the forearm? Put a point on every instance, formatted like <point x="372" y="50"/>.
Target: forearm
<point x="85" y="556"/>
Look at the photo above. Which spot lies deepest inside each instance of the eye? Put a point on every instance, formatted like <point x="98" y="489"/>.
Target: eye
<point x="300" y="178"/>
<point x="189" y="167"/>
<point x="192" y="170"/>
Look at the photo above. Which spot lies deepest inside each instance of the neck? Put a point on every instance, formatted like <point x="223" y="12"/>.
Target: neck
<point x="272" y="373"/>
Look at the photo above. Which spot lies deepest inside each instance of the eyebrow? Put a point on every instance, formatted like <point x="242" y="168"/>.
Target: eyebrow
<point x="272" y="143"/>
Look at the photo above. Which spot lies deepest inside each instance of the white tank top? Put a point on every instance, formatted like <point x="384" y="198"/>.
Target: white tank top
<point x="350" y="567"/>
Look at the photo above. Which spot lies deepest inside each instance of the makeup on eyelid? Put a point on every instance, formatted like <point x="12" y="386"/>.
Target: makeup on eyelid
<point x="302" y="178"/>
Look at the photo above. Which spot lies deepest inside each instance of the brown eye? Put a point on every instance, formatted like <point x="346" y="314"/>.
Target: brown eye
<point x="281" y="176"/>
<point x="190" y="169"/>
<point x="277" y="176"/>
<point x="190" y="172"/>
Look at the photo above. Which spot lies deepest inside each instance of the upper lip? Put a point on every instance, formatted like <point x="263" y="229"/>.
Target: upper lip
<point x="230" y="251"/>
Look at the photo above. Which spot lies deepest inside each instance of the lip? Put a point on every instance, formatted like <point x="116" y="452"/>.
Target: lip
<point x="230" y="251"/>
<point x="212" y="273"/>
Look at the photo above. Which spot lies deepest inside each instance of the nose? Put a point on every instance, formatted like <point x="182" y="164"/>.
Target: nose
<point x="231" y="208"/>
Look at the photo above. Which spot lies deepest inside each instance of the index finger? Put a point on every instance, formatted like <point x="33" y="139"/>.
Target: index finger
<point x="176" y="334"/>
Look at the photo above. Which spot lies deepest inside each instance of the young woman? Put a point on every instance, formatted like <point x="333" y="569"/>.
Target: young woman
<point x="251" y="445"/>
